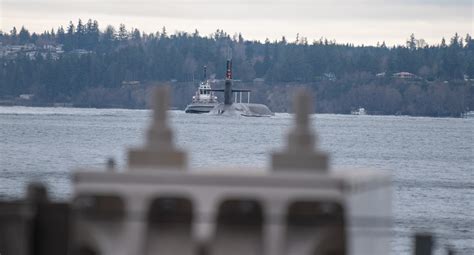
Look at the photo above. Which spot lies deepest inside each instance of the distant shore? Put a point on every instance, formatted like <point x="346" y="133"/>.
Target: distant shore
<point x="4" y="103"/>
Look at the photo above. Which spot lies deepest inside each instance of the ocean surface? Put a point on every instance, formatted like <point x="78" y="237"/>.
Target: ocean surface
<point x="431" y="159"/>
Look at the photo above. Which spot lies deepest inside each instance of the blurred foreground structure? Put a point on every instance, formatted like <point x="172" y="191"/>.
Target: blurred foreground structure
<point x="158" y="205"/>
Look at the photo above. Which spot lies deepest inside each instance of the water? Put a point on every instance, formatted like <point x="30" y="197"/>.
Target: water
<point x="431" y="159"/>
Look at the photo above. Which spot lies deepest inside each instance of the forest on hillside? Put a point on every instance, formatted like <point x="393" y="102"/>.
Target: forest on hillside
<point x="94" y="64"/>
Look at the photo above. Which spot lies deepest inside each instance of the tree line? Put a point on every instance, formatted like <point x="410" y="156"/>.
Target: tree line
<point x="343" y="76"/>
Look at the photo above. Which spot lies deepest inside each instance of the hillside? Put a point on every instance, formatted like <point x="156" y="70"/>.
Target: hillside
<point x="83" y="65"/>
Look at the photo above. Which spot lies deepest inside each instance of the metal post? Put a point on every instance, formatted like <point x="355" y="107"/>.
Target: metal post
<point x="423" y="244"/>
<point x="235" y="98"/>
<point x="450" y="250"/>
<point x="110" y="165"/>
<point x="240" y="96"/>
<point x="50" y="229"/>
<point x="248" y="97"/>
<point x="15" y="224"/>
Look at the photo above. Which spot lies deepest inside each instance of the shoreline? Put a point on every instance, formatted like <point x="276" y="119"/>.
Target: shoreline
<point x="175" y="108"/>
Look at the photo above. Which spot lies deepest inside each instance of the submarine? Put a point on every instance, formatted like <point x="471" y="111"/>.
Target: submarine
<point x="231" y="108"/>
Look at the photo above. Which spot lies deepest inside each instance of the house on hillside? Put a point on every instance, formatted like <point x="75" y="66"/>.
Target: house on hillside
<point x="468" y="78"/>
<point x="258" y="81"/>
<point x="329" y="77"/>
<point x="130" y="83"/>
<point x="80" y="52"/>
<point x="26" y="96"/>
<point x="406" y="76"/>
<point x="31" y="51"/>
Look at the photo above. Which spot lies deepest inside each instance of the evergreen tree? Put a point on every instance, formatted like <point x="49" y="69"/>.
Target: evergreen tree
<point x="80" y="35"/>
<point x="70" y="40"/>
<point x="14" y="35"/>
<point x="136" y="36"/>
<point x="107" y="40"/>
<point x="196" y="33"/>
<point x="443" y="43"/>
<point x="61" y="36"/>
<point x="122" y="33"/>
<point x="92" y="34"/>
<point x="23" y="36"/>
<point x="469" y="42"/>
<point x="163" y="32"/>
<point x="411" y="43"/>
<point x="455" y="41"/>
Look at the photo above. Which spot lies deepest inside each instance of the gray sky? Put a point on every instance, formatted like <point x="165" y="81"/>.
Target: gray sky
<point x="354" y="21"/>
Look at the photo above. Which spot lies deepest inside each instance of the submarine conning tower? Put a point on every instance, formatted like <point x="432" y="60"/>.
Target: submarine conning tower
<point x="299" y="205"/>
<point x="228" y="90"/>
<point x="228" y="84"/>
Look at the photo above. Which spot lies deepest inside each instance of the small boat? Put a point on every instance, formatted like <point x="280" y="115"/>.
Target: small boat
<point x="468" y="115"/>
<point x="360" y="111"/>
<point x="204" y="100"/>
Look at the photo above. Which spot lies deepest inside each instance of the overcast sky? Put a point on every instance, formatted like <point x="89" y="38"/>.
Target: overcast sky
<point x="355" y="21"/>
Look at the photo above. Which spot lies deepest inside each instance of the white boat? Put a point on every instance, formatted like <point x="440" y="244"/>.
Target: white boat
<point x="360" y="111"/>
<point x="468" y="115"/>
<point x="204" y="100"/>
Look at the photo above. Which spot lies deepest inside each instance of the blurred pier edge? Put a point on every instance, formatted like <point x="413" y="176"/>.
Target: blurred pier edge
<point x="158" y="205"/>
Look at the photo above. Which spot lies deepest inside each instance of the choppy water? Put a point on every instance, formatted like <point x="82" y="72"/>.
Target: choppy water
<point x="431" y="159"/>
